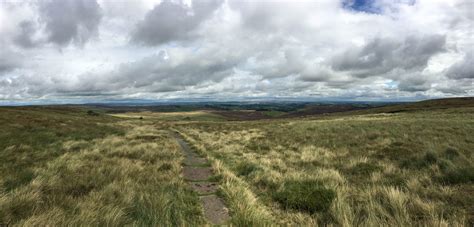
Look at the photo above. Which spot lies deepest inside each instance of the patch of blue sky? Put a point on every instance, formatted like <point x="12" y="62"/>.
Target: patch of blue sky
<point x="392" y="84"/>
<point x="372" y="6"/>
<point x="367" y="6"/>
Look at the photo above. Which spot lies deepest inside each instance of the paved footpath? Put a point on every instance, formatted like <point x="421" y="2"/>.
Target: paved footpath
<point x="199" y="174"/>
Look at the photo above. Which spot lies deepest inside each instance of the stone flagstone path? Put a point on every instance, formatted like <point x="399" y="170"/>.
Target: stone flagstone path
<point x="198" y="172"/>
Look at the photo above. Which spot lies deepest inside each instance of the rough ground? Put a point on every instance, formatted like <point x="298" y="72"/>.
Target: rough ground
<point x="198" y="173"/>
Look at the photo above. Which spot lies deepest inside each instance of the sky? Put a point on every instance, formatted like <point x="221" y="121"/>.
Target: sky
<point x="75" y="51"/>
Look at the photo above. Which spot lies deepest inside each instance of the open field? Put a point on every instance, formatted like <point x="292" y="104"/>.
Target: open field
<point x="171" y="116"/>
<point x="405" y="165"/>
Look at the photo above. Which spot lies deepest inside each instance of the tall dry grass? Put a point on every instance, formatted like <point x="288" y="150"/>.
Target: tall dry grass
<point x="114" y="181"/>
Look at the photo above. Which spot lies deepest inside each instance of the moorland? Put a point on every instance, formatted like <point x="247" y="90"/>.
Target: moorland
<point x="337" y="164"/>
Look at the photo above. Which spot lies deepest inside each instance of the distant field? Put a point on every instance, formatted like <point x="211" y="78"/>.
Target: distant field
<point x="172" y="116"/>
<point x="303" y="110"/>
<point x="241" y="110"/>
<point x="406" y="165"/>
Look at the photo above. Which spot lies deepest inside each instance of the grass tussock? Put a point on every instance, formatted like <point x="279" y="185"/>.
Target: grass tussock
<point x="245" y="169"/>
<point x="308" y="195"/>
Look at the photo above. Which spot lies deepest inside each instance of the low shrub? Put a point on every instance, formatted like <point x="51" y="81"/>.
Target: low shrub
<point x="307" y="195"/>
<point x="267" y="183"/>
<point x="22" y="177"/>
<point x="429" y="158"/>
<point x="258" y="146"/>
<point x="373" y="136"/>
<point x="426" y="160"/>
<point x="395" y="180"/>
<point x="245" y="168"/>
<point x="92" y="113"/>
<point x="451" y="153"/>
<point x="165" y="167"/>
<point x="459" y="175"/>
<point x="364" y="168"/>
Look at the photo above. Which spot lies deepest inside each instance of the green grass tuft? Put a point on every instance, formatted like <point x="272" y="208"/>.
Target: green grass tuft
<point x="165" y="167"/>
<point x="458" y="175"/>
<point x="20" y="178"/>
<point x="307" y="195"/>
<point x="429" y="158"/>
<point x="451" y="153"/>
<point x="245" y="168"/>
<point x="364" y="168"/>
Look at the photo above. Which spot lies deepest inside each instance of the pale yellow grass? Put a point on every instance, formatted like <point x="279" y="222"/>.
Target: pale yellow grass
<point x="114" y="181"/>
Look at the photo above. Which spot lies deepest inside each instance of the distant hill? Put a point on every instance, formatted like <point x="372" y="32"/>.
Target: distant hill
<point x="431" y="104"/>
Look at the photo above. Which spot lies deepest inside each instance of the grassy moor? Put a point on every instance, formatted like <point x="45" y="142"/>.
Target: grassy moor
<point x="397" y="165"/>
<point x="237" y="113"/>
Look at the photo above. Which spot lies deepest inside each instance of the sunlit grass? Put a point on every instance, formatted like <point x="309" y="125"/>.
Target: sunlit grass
<point x="172" y="116"/>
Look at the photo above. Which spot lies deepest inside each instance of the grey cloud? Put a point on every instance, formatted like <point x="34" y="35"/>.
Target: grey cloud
<point x="154" y="71"/>
<point x="257" y="15"/>
<point x="319" y="75"/>
<point x="283" y="62"/>
<point x="380" y="55"/>
<point x="465" y="8"/>
<point x="453" y="90"/>
<point x="25" y="37"/>
<point x="9" y="60"/>
<point x="285" y="17"/>
<point x="173" y="21"/>
<point x="414" y="84"/>
<point x="456" y="87"/>
<point x="70" y="20"/>
<point x="159" y="73"/>
<point x="462" y="69"/>
<point x="87" y="94"/>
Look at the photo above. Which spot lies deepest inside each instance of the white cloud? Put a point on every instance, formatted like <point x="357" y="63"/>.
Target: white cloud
<point x="235" y="48"/>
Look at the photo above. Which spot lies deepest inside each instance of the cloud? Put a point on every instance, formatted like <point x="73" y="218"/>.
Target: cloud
<point x="456" y="87"/>
<point x="165" y="71"/>
<point x="9" y="60"/>
<point x="463" y="69"/>
<point x="414" y="83"/>
<point x="382" y="55"/>
<point x="235" y="48"/>
<point x="173" y="21"/>
<point x="70" y="20"/>
<point x="25" y="37"/>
